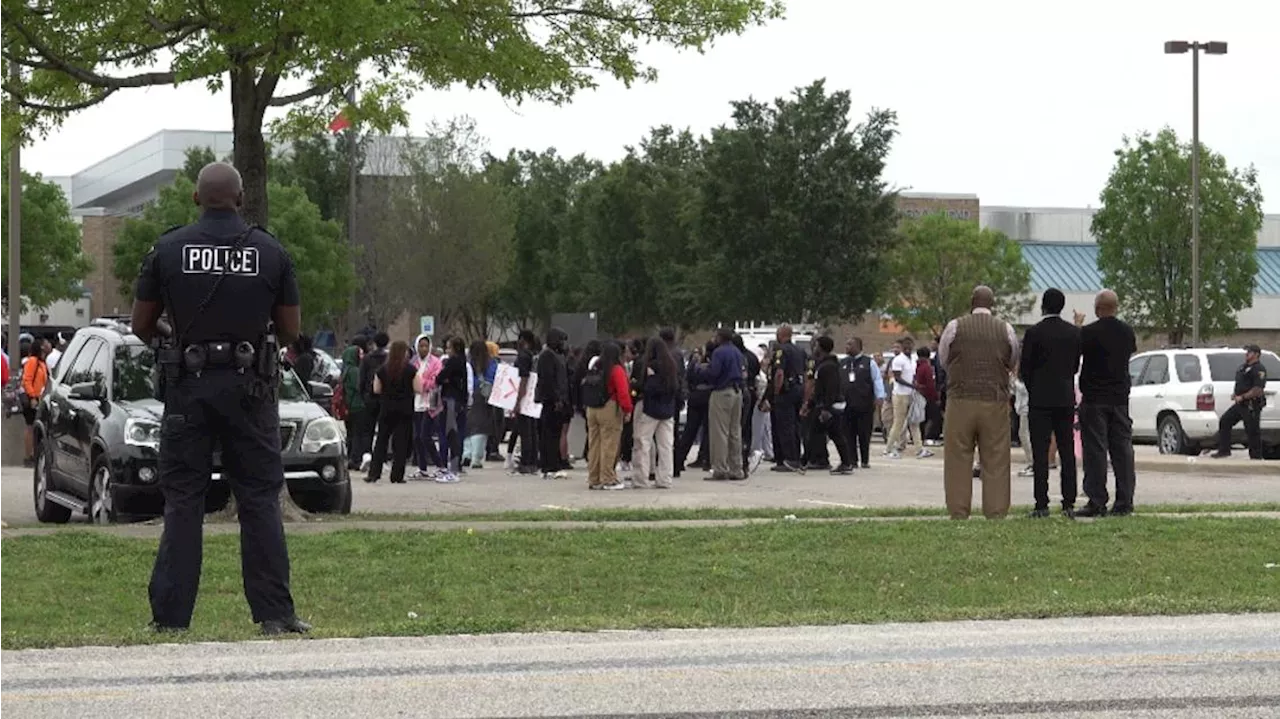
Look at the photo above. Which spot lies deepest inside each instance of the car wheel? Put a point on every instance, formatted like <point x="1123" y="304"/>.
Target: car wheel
<point x="102" y="500"/>
<point x="1171" y="438"/>
<point x="47" y="511"/>
<point x="344" y="505"/>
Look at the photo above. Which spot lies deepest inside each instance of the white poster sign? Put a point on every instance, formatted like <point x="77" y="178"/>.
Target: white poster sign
<point x="506" y="390"/>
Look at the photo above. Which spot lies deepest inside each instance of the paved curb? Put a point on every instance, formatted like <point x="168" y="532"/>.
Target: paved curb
<point x="152" y="531"/>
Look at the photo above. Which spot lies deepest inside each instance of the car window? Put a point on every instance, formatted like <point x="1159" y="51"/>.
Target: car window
<point x="134" y="379"/>
<point x="1157" y="371"/>
<point x="100" y="368"/>
<point x="1187" y="367"/>
<point x="62" y="370"/>
<point x="82" y="369"/>
<point x="1223" y="365"/>
<point x="1136" y="366"/>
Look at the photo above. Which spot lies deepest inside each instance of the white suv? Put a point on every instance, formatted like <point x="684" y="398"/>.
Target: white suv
<point x="1177" y="396"/>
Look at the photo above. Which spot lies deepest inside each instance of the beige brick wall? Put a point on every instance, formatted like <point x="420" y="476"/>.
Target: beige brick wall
<point x="959" y="208"/>
<point x="98" y="238"/>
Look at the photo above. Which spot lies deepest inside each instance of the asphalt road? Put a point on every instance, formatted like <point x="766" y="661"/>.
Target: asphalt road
<point x="905" y="482"/>
<point x="1203" y="666"/>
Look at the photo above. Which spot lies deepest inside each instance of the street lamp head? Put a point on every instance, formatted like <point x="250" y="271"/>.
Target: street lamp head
<point x="1176" y="47"/>
<point x="1215" y="48"/>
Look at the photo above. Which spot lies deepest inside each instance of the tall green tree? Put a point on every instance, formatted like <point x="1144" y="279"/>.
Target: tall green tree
<point x="76" y="53"/>
<point x="936" y="262"/>
<point x="1144" y="236"/>
<point x="795" y="214"/>
<point x="321" y="259"/>
<point x="446" y="231"/>
<point x="53" y="263"/>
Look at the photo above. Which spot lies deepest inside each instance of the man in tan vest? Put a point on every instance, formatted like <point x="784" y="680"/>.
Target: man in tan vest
<point x="979" y="352"/>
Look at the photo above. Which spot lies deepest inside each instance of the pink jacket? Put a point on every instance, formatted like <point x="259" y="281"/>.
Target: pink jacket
<point x="428" y="375"/>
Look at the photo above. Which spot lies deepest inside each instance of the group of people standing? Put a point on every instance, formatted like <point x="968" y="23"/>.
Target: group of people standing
<point x="980" y="352"/>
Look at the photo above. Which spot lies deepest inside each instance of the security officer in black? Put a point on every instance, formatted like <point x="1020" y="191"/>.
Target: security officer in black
<point x="223" y="283"/>
<point x="1248" y="398"/>
<point x="862" y="376"/>
<point x="789" y="366"/>
<point x="827" y="413"/>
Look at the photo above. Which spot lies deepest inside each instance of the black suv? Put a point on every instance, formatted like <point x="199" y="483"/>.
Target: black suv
<point x="98" y="433"/>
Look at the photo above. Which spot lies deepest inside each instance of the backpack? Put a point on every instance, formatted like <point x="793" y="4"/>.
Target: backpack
<point x="594" y="392"/>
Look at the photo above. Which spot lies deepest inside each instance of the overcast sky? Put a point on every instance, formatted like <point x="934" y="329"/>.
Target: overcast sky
<point x="1021" y="103"/>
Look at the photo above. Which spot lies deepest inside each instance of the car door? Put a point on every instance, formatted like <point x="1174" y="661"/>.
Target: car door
<point x="1152" y="390"/>
<point x="1139" y="396"/>
<point x="63" y="411"/>
<point x="84" y="413"/>
<point x="1271" y="412"/>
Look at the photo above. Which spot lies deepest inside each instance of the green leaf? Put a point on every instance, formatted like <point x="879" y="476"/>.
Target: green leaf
<point x="53" y="263"/>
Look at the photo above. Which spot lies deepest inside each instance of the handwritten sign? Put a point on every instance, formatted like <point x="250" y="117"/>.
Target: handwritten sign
<point x="506" y="390"/>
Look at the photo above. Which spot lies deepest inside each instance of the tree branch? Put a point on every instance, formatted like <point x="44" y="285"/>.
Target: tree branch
<point x="20" y="98"/>
<point x="323" y="88"/>
<point x="54" y="62"/>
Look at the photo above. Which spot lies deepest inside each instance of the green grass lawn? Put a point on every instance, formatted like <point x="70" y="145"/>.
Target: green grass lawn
<point x="80" y="588"/>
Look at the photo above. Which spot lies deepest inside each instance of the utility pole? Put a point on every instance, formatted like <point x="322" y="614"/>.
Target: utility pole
<point x="1179" y="47"/>
<point x="15" y="241"/>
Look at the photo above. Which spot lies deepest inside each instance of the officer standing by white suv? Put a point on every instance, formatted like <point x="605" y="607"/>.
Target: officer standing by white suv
<point x="1247" y="400"/>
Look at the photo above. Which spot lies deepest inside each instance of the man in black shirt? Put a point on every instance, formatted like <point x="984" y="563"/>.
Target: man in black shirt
<point x="1247" y="401"/>
<point x="789" y="365"/>
<point x="369" y="367"/>
<point x="1105" y="426"/>
<point x="526" y="427"/>
<point x="829" y="403"/>
<point x="1050" y="359"/>
<point x="552" y="392"/>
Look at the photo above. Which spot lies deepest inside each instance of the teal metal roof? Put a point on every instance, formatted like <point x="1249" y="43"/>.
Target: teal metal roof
<point x="1073" y="267"/>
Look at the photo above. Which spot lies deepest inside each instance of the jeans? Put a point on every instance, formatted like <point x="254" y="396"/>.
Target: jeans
<point x="475" y="449"/>
<point x="424" y="427"/>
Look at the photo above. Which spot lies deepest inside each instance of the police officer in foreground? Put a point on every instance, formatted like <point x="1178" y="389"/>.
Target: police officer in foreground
<point x="1247" y="400"/>
<point x="789" y="364"/>
<point x="224" y="284"/>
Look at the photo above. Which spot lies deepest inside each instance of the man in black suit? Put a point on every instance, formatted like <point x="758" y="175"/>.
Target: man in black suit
<point x="1050" y="360"/>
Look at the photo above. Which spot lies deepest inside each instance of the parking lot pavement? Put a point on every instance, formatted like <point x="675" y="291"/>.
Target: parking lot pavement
<point x="889" y="483"/>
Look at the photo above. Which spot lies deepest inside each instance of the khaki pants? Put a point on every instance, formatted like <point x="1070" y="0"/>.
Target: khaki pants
<point x="901" y="409"/>
<point x="985" y="425"/>
<point x="648" y="431"/>
<point x="725" y="434"/>
<point x="604" y="432"/>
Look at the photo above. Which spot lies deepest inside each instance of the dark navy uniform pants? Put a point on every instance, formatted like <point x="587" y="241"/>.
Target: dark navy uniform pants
<point x="198" y="411"/>
<point x="1252" y="418"/>
<point x="786" y="425"/>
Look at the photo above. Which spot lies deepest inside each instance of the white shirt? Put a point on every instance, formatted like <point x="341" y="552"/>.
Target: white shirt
<point x="906" y="365"/>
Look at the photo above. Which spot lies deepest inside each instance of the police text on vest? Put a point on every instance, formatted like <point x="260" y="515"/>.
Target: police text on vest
<point x="219" y="259"/>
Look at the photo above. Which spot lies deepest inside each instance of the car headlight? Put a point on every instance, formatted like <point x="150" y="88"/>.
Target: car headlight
<point x="142" y="433"/>
<point x="321" y="433"/>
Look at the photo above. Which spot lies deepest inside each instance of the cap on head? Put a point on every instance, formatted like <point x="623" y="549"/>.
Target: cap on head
<point x="219" y="186"/>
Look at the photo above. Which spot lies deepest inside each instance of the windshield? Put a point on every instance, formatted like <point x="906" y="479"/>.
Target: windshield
<point x="291" y="389"/>
<point x="133" y="378"/>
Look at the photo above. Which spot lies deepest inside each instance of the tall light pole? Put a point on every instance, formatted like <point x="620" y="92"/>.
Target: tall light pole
<point x="1180" y="47"/>
<point x="15" y="240"/>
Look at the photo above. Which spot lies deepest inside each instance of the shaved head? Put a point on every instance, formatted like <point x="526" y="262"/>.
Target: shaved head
<point x="219" y="187"/>
<point x="983" y="297"/>
<point x="1106" y="304"/>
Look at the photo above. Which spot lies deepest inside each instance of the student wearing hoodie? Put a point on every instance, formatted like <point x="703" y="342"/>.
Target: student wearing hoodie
<point x="358" y="431"/>
<point x="484" y="370"/>
<point x="426" y="407"/>
<point x="452" y="381"/>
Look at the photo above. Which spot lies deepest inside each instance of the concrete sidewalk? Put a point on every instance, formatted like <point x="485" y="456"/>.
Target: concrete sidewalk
<point x="152" y="531"/>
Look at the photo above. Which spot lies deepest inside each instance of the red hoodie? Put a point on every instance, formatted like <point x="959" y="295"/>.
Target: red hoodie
<point x="925" y="381"/>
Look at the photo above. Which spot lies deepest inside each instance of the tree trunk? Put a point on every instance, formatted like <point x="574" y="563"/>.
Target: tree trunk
<point x="249" y="155"/>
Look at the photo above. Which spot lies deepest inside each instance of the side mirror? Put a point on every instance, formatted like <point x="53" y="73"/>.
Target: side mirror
<point x="320" y="390"/>
<point x="85" y="391"/>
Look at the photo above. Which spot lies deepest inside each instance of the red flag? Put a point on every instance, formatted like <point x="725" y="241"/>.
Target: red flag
<point x="339" y="123"/>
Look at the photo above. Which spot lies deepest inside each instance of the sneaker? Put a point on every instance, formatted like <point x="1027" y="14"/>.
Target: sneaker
<point x="1027" y="472"/>
<point x="893" y="455"/>
<point x="932" y="443"/>
<point x="614" y="486"/>
<point x="753" y="463"/>
<point x="866" y="465"/>
<point x="365" y="461"/>
<point x="548" y="475"/>
<point x="924" y="454"/>
<point x="843" y="469"/>
<point x="560" y="475"/>
<point x="447" y="477"/>
<point x="477" y="467"/>
<point x="510" y="464"/>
